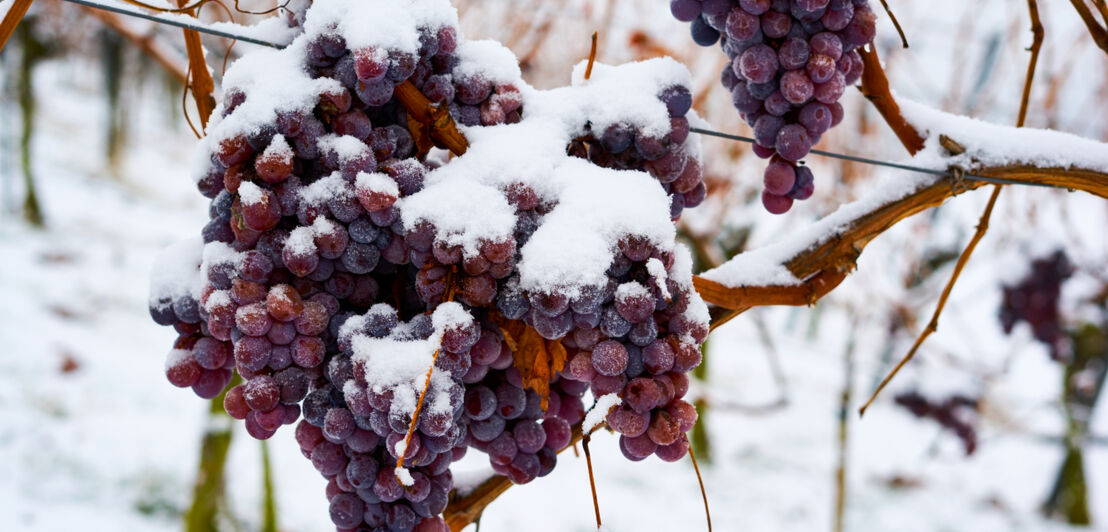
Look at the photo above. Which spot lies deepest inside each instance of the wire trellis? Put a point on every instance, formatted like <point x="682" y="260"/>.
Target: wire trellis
<point x="200" y="27"/>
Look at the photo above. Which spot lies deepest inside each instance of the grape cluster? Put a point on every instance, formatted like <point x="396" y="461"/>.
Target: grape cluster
<point x="790" y="63"/>
<point x="957" y="414"/>
<point x="621" y="146"/>
<point x="383" y="332"/>
<point x="1035" y="300"/>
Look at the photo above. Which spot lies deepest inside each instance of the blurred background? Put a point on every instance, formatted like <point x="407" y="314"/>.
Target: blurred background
<point x="984" y="430"/>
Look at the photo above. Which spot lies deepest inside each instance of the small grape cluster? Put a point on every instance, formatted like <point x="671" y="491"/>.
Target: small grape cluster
<point x="621" y="146"/>
<point x="1035" y="300"/>
<point x="790" y="63"/>
<point x="957" y="414"/>
<point x="387" y="333"/>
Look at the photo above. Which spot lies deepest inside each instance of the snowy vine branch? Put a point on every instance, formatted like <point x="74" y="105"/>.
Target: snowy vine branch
<point x="11" y="19"/>
<point x="801" y="270"/>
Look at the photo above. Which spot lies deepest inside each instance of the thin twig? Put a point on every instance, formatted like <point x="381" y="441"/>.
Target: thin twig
<point x="185" y="106"/>
<point x="1098" y="32"/>
<point x="592" y="59"/>
<point x="1102" y="8"/>
<point x="1036" y="44"/>
<point x="426" y="384"/>
<point x="933" y="325"/>
<point x="875" y="87"/>
<point x="437" y="118"/>
<point x="896" y="23"/>
<point x="703" y="492"/>
<point x="202" y="84"/>
<point x="11" y="20"/>
<point x="844" y="432"/>
<point x="592" y="481"/>
<point x="983" y="224"/>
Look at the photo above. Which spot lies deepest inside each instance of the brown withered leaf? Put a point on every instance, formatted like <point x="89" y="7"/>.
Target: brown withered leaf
<point x="536" y="358"/>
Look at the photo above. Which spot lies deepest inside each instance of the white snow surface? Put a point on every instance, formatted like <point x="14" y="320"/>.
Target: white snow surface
<point x="402" y="473"/>
<point x="388" y="24"/>
<point x="489" y="59"/>
<point x="628" y="93"/>
<point x="379" y="183"/>
<point x="250" y="193"/>
<point x="599" y="411"/>
<point x="399" y="364"/>
<point x="176" y="272"/>
<point x="594" y="207"/>
<point x="989" y="144"/>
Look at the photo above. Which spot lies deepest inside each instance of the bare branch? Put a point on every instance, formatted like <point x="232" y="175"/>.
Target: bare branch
<point x="11" y="20"/>
<point x="202" y="85"/>
<point x="1036" y="44"/>
<point x="875" y="87"/>
<point x="896" y="23"/>
<point x="1098" y="32"/>
<point x="436" y="118"/>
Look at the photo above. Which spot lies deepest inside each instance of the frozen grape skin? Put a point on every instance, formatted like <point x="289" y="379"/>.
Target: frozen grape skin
<point x="796" y="87"/>
<point x="663" y="429"/>
<point x="776" y="204"/>
<point x="775" y="24"/>
<point x="804" y="185"/>
<point x="261" y="393"/>
<point x="755" y="7"/>
<point x="793" y="54"/>
<point x="609" y="358"/>
<point x="678" y="100"/>
<point x="766" y="128"/>
<point x="183" y="371"/>
<point x="793" y="142"/>
<point x="347" y="510"/>
<point x="637" y="448"/>
<point x="674" y="451"/>
<point x="685" y="10"/>
<point x="702" y="33"/>
<point x="510" y="401"/>
<point x="758" y="63"/>
<point x="529" y="436"/>
<point x="658" y="357"/>
<point x="558" y="433"/>
<point x="741" y="26"/>
<point x="779" y="177"/>
<point x="641" y="394"/>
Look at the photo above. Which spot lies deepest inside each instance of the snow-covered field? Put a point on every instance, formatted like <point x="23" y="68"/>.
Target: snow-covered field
<point x="108" y="444"/>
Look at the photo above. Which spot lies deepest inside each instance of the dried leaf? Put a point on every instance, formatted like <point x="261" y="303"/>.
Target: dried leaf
<point x="536" y="358"/>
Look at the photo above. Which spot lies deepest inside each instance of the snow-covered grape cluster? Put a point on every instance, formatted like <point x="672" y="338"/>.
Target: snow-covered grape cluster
<point x="383" y="293"/>
<point x="791" y="60"/>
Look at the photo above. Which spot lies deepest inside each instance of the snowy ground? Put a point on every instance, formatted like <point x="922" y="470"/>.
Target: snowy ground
<point x="112" y="446"/>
